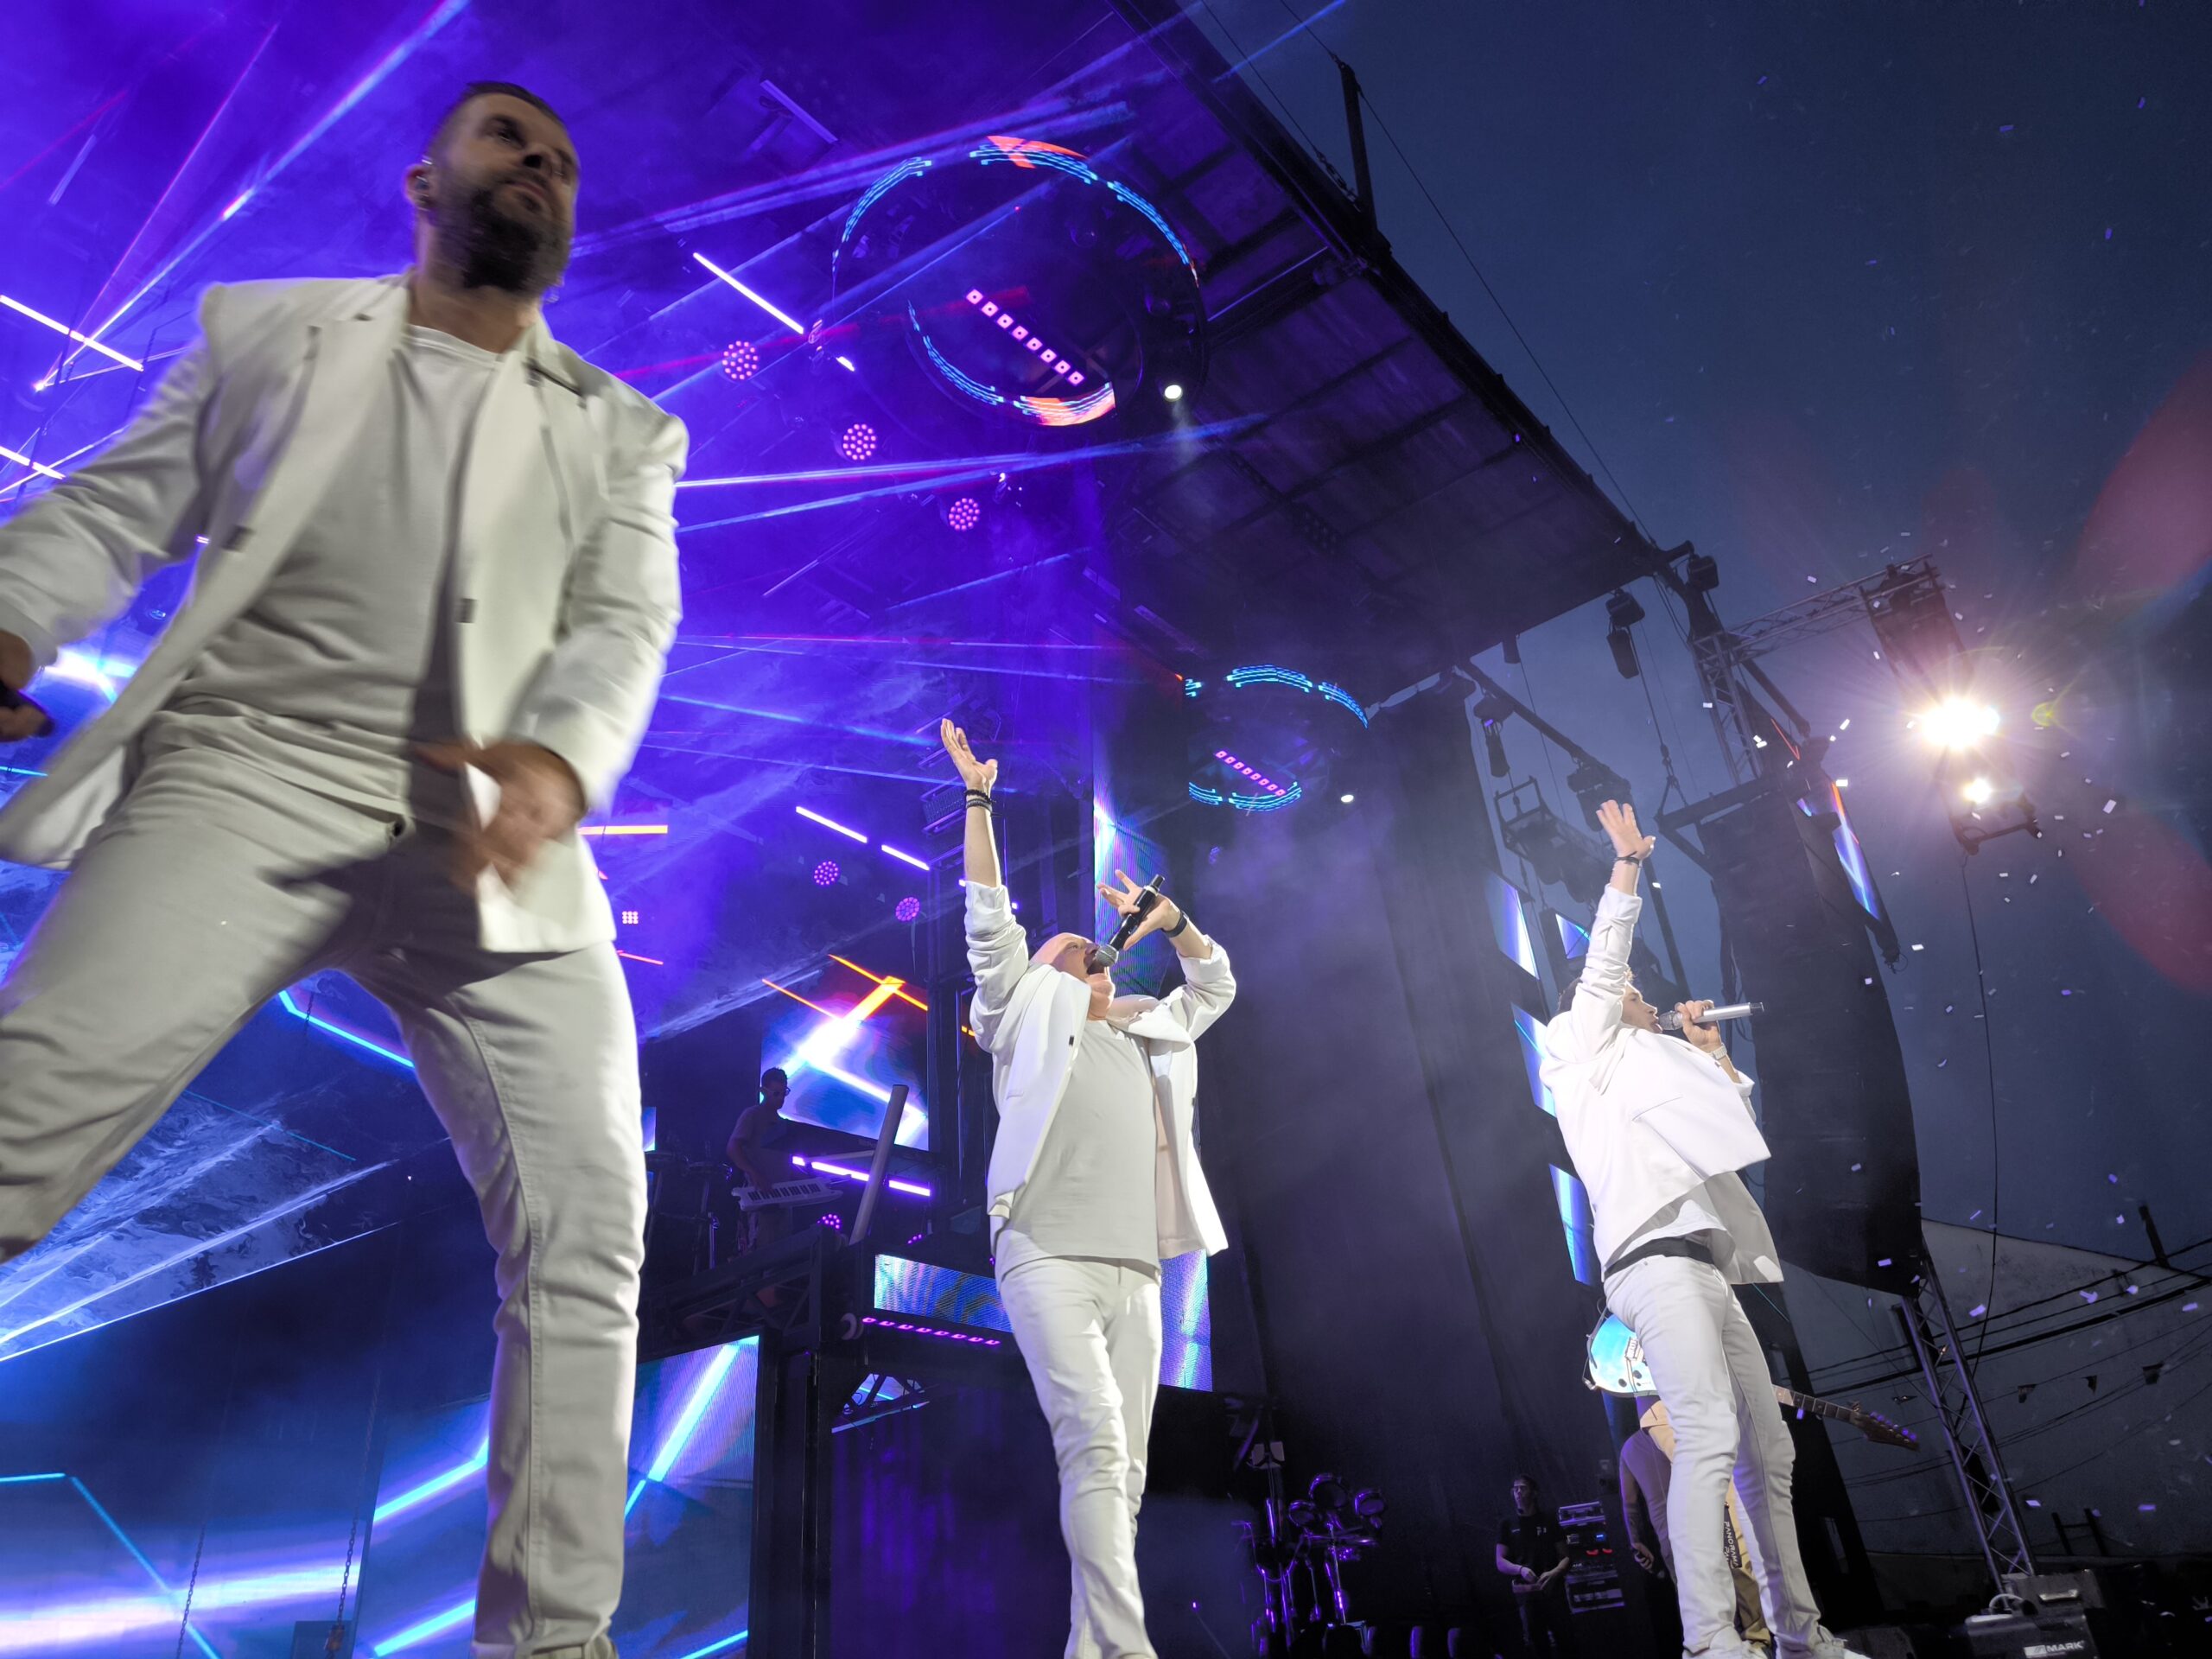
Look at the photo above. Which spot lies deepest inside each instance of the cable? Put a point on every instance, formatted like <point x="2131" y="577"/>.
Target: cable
<point x="1566" y="408"/>
<point x="1996" y="1147"/>
<point x="1248" y="63"/>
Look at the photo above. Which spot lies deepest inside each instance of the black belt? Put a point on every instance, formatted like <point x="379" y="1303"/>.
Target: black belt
<point x="1683" y="1246"/>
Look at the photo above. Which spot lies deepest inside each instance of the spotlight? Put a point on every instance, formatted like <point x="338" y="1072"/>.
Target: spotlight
<point x="1701" y="574"/>
<point x="1346" y="800"/>
<point x="1172" y="392"/>
<point x="963" y="513"/>
<point x="1978" y="791"/>
<point x="826" y="873"/>
<point x="908" y="908"/>
<point x="1959" y="722"/>
<point x="856" y="441"/>
<point x="740" y="360"/>
<point x="1623" y="612"/>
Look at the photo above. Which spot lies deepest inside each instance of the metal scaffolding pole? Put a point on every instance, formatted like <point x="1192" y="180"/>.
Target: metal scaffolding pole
<point x="1934" y="1339"/>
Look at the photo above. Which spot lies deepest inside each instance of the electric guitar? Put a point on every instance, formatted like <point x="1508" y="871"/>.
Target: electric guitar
<point x="1616" y="1365"/>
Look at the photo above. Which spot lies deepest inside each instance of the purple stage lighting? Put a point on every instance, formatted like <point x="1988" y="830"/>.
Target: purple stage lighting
<point x="909" y="908"/>
<point x="858" y="441"/>
<point x="826" y="873"/>
<point x="963" y="513"/>
<point x="740" y="360"/>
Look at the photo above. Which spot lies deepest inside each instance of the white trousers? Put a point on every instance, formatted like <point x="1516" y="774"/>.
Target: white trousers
<point x="1090" y="1332"/>
<point x="212" y="886"/>
<point x="1706" y="1360"/>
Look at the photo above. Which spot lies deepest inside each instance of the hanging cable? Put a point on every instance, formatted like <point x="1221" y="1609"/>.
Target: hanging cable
<point x="1996" y="1146"/>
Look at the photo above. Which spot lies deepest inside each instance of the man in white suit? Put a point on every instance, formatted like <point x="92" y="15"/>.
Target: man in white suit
<point x="1094" y="1181"/>
<point x="1658" y="1128"/>
<point x="438" y="585"/>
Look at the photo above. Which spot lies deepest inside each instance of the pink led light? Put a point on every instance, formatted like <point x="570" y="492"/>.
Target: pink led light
<point x="1061" y="366"/>
<point x="1075" y="378"/>
<point x="990" y="308"/>
<point x="1020" y="332"/>
<point x="1034" y="343"/>
<point x="975" y="297"/>
<point x="1005" y="318"/>
<point x="1047" y="356"/>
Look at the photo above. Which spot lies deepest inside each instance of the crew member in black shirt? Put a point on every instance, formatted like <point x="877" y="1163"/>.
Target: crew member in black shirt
<point x="1531" y="1553"/>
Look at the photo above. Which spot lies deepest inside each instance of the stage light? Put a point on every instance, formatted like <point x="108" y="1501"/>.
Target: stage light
<point x="741" y="361"/>
<point x="18" y="307"/>
<point x="1959" y="722"/>
<point x="831" y="824"/>
<point x="1346" y="800"/>
<point x="1978" y="791"/>
<point x="629" y="918"/>
<point x="858" y="441"/>
<point x="909" y="908"/>
<point x="1172" y="393"/>
<point x="826" y="873"/>
<point x="780" y="315"/>
<point x="37" y="467"/>
<point x="1623" y="613"/>
<point x="964" y="513"/>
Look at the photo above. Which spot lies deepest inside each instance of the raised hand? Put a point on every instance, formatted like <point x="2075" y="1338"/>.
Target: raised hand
<point x="977" y="775"/>
<point x="1618" y="822"/>
<point x="1125" y="899"/>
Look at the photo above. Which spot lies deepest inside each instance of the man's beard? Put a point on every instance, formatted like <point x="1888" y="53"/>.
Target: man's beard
<point x="492" y="249"/>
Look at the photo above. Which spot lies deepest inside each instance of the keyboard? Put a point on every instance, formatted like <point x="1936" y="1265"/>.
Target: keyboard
<point x="807" y="1191"/>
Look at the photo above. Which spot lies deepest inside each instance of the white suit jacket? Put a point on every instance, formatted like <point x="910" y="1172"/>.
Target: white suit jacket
<point x="564" y="593"/>
<point x="1029" y="1018"/>
<point x="1648" y="1118"/>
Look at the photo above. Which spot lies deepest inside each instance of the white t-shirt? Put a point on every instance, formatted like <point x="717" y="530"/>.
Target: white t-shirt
<point x="1092" y="1191"/>
<point x="343" y="663"/>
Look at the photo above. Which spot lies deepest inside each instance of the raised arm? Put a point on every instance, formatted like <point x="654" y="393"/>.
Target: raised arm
<point x="997" y="955"/>
<point x="1596" y="1014"/>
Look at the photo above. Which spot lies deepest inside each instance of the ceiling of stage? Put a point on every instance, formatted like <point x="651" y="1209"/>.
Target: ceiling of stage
<point x="1350" y="489"/>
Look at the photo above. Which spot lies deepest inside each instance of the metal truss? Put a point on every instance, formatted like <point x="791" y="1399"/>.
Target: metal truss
<point x="1934" y="1339"/>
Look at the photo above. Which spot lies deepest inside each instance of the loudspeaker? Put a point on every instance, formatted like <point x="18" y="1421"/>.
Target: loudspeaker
<point x="2040" y="1635"/>
<point x="1843" y="1187"/>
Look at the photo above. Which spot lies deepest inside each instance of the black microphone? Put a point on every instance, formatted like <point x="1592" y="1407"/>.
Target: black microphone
<point x="1105" y="956"/>
<point x="1672" y="1021"/>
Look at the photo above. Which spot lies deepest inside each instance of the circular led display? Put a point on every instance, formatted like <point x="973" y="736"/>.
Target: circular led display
<point x="1024" y="281"/>
<point x="1270" y="736"/>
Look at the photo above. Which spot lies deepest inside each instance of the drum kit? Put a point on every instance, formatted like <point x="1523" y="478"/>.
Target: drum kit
<point x="1299" y="1551"/>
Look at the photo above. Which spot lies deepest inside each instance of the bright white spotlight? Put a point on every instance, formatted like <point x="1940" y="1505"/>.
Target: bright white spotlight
<point x="1978" y="791"/>
<point x="1346" y="800"/>
<point x="1172" y="392"/>
<point x="1959" y="722"/>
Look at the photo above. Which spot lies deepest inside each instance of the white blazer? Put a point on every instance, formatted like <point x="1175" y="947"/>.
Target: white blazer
<point x="564" y="593"/>
<point x="1648" y="1118"/>
<point x="1029" y="1018"/>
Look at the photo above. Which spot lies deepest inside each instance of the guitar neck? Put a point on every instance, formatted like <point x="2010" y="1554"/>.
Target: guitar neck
<point x="1815" y="1406"/>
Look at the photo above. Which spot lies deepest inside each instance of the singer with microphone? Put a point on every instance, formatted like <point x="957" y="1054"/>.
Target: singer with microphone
<point x="1659" y="1127"/>
<point x="1094" y="1181"/>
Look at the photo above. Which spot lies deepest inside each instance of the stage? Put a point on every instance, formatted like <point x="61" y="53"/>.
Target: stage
<point x="1042" y="370"/>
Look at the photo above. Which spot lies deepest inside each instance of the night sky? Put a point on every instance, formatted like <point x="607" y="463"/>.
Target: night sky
<point x="1828" y="286"/>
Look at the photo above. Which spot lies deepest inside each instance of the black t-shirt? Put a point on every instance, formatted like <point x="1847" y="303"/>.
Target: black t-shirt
<point x="1531" y="1541"/>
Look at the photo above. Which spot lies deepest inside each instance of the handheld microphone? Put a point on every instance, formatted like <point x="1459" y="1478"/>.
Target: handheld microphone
<point x="1672" y="1021"/>
<point x="1105" y="956"/>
